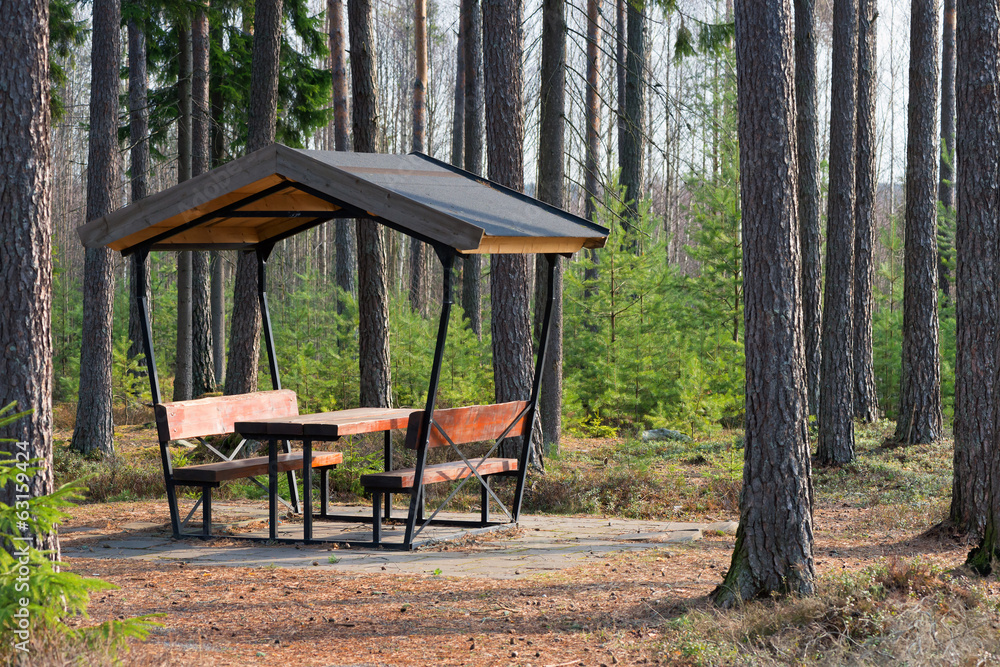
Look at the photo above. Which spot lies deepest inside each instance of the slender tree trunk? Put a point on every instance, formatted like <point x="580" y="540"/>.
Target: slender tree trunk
<point x="946" y="190"/>
<point x="94" y="430"/>
<point x="216" y="257"/>
<point x="138" y="82"/>
<point x="774" y="541"/>
<point x="620" y="52"/>
<point x="977" y="264"/>
<point x="630" y="158"/>
<point x="202" y="365"/>
<point x="474" y="130"/>
<point x="418" y="268"/>
<point x="919" y="417"/>
<point x="373" y="294"/>
<point x="345" y="237"/>
<point x="26" y="244"/>
<point x="244" y="341"/>
<point x="458" y="110"/>
<point x="509" y="287"/>
<point x="865" y="394"/>
<point x="183" y="359"/>
<point x="809" y="219"/>
<point x="591" y="179"/>
<point x="836" y="394"/>
<point x="551" y="177"/>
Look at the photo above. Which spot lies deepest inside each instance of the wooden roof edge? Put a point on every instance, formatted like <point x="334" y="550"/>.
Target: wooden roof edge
<point x="179" y="198"/>
<point x="384" y="203"/>
<point x="602" y="232"/>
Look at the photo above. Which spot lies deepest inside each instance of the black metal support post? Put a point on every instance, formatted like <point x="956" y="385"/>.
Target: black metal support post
<point x="263" y="253"/>
<point x="543" y="345"/>
<point x="387" y="466"/>
<point x="447" y="257"/>
<point x="140" y="259"/>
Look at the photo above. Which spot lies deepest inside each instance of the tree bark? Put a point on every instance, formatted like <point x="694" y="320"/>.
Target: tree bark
<point x="183" y="358"/>
<point x="551" y="177"/>
<point x="474" y="130"/>
<point x="591" y="179"/>
<point x="216" y="258"/>
<point x="865" y="393"/>
<point x="418" y="291"/>
<point x="946" y="189"/>
<point x="621" y="21"/>
<point x="202" y="364"/>
<point x="458" y="109"/>
<point x="836" y="411"/>
<point x="919" y="419"/>
<point x="373" y="306"/>
<point x="774" y="541"/>
<point x="26" y="242"/>
<point x="94" y="430"/>
<point x="509" y="292"/>
<point x="630" y="158"/>
<point x="807" y="126"/>
<point x="138" y="82"/>
<point x="244" y="341"/>
<point x="977" y="263"/>
<point x="345" y="237"/>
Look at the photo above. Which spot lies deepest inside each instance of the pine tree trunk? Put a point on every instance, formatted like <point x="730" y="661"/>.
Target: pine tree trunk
<point x="919" y="419"/>
<point x="620" y="28"/>
<point x="244" y="340"/>
<point x="183" y="359"/>
<point x="774" y="541"/>
<point x="591" y="178"/>
<point x="809" y="219"/>
<point x="345" y="237"/>
<point x="630" y="158"/>
<point x="216" y="258"/>
<point x="977" y="262"/>
<point x="946" y="189"/>
<point x="509" y="285"/>
<point x="551" y="163"/>
<point x="836" y="394"/>
<point x="474" y="129"/>
<point x="202" y="363"/>
<point x="94" y="430"/>
<point x="26" y="245"/>
<point x="458" y="109"/>
<point x="418" y="267"/>
<point x="865" y="393"/>
<point x="138" y="82"/>
<point x="373" y="294"/>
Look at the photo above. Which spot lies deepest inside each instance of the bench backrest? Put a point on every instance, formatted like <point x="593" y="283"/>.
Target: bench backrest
<point x="475" y="423"/>
<point x="217" y="414"/>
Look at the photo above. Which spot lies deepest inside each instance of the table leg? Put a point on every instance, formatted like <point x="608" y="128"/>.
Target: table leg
<point x="293" y="488"/>
<point x="307" y="505"/>
<point x="387" y="466"/>
<point x="376" y="518"/>
<point x="272" y="487"/>
<point x="324" y="484"/>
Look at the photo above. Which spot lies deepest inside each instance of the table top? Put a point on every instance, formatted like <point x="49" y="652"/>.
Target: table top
<point x="327" y="425"/>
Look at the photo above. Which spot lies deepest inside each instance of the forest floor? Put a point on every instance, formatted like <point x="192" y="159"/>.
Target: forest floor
<point x="891" y="590"/>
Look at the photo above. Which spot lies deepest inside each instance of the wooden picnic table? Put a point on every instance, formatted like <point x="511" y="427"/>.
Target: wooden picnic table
<point x="324" y="427"/>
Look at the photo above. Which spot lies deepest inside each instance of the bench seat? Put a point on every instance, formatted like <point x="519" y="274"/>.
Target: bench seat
<point x="240" y="468"/>
<point x="403" y="478"/>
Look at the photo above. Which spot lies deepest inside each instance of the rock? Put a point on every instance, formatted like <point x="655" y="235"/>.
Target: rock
<point x="664" y="434"/>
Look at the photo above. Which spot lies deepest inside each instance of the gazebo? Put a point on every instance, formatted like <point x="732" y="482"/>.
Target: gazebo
<point x="252" y="203"/>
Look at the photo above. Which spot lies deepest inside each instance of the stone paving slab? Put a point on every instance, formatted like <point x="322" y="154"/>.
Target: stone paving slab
<point x="546" y="544"/>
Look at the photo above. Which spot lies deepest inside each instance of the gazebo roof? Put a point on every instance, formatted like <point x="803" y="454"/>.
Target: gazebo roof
<point x="278" y="191"/>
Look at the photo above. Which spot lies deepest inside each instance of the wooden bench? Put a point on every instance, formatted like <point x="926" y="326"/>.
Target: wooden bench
<point x="216" y="416"/>
<point x="462" y="425"/>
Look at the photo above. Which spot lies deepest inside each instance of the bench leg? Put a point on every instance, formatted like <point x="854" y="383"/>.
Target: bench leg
<point x="272" y="488"/>
<point x="485" y="501"/>
<point x="376" y="518"/>
<point x="307" y="506"/>
<point x="206" y="510"/>
<point x="387" y="466"/>
<point x="324" y="490"/>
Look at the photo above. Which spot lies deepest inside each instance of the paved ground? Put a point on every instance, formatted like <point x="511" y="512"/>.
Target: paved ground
<point x="544" y="543"/>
